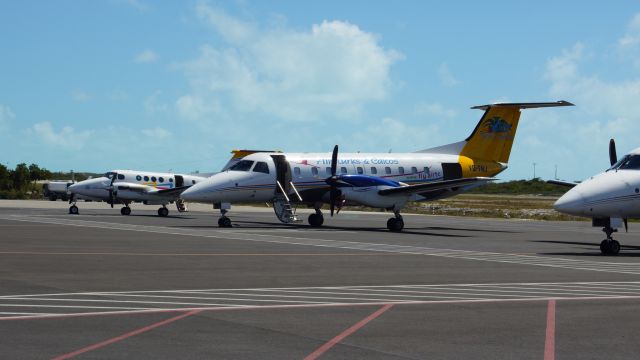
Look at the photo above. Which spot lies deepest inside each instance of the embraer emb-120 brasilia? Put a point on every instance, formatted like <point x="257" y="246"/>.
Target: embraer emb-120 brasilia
<point x="609" y="198"/>
<point x="379" y="180"/>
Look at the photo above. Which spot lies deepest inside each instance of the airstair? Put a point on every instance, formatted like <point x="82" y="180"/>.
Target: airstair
<point x="282" y="204"/>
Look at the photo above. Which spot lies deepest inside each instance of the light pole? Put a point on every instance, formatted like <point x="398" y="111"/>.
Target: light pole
<point x="534" y="170"/>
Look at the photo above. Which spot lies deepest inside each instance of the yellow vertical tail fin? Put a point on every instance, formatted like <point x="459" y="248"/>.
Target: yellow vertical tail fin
<point x="493" y="137"/>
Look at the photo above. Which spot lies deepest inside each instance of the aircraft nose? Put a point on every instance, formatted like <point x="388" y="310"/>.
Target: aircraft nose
<point x="197" y="192"/>
<point x="570" y="203"/>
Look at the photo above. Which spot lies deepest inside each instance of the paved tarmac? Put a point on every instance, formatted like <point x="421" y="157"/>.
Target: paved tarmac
<point x="101" y="285"/>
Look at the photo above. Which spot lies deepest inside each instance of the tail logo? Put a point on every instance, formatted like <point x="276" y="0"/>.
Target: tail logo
<point x="496" y="127"/>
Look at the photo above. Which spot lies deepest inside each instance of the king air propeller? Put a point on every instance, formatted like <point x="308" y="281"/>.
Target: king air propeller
<point x="111" y="195"/>
<point x="613" y="158"/>
<point x="334" y="193"/>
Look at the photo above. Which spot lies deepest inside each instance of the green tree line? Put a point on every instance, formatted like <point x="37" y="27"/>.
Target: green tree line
<point x="21" y="182"/>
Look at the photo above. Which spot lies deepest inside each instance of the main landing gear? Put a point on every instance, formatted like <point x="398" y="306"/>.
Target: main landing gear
<point x="126" y="210"/>
<point x="317" y="219"/>
<point x="224" y="221"/>
<point x="163" y="211"/>
<point x="395" y="224"/>
<point x="609" y="246"/>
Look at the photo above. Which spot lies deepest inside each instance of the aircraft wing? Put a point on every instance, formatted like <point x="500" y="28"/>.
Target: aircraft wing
<point x="561" y="183"/>
<point x="176" y="190"/>
<point x="435" y="185"/>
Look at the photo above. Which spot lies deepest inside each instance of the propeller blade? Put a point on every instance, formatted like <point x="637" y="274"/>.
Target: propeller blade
<point x="332" y="206"/>
<point x="613" y="157"/>
<point x="111" y="197"/>
<point x="334" y="160"/>
<point x="626" y="225"/>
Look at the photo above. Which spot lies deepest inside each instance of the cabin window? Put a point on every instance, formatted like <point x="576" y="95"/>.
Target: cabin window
<point x="401" y="170"/>
<point x="153" y="179"/>
<point x="414" y="170"/>
<point x="387" y="170"/>
<point x="193" y="182"/>
<point x="161" y="179"/>
<point x="296" y="171"/>
<point x="138" y="177"/>
<point x="146" y="178"/>
<point x="360" y="170"/>
<point x="426" y="170"/>
<point x="343" y="170"/>
<point x="374" y="170"/>
<point x="261" y="167"/>
<point x="314" y="171"/>
<point x="242" y="165"/>
<point x="328" y="171"/>
<point x="120" y="177"/>
<point x="170" y="180"/>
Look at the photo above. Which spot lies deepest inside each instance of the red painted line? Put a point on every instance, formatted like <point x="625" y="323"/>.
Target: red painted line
<point x="550" y="339"/>
<point x="125" y="336"/>
<point x="329" y="344"/>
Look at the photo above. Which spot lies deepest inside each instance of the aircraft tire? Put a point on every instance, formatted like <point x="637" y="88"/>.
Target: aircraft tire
<point x="73" y="210"/>
<point x="395" y="225"/>
<point x="163" y="212"/>
<point x="614" y="247"/>
<point x="224" y="222"/>
<point x="125" y="211"/>
<point x="316" y="220"/>
<point x="604" y="247"/>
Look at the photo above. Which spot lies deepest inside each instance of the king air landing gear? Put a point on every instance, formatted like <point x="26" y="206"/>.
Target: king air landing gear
<point x="223" y="221"/>
<point x="609" y="246"/>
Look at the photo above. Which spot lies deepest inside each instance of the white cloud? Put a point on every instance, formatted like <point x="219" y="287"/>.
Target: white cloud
<point x="80" y="96"/>
<point x="157" y="133"/>
<point x="433" y="109"/>
<point x="146" y="56"/>
<point x="152" y="105"/>
<point x="230" y="28"/>
<point x="632" y="36"/>
<point x="6" y="117"/>
<point x="137" y="4"/>
<point x="446" y="77"/>
<point x="67" y="138"/>
<point x="329" y="71"/>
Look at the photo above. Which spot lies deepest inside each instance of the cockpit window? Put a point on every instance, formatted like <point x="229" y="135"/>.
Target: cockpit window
<point x="110" y="174"/>
<point x="242" y="165"/>
<point x="261" y="167"/>
<point x="628" y="162"/>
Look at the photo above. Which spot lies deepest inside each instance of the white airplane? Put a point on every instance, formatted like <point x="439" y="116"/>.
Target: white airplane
<point x="609" y="198"/>
<point x="380" y="180"/>
<point x="127" y="186"/>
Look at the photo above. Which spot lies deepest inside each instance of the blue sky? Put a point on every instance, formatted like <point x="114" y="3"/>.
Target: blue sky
<point x="96" y="85"/>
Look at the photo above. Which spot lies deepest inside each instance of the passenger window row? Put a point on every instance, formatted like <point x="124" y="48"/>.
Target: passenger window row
<point x="360" y="170"/>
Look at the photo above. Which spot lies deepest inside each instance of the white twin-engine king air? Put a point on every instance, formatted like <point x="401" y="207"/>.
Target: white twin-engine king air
<point x="609" y="198"/>
<point x="379" y="180"/>
<point x="127" y="186"/>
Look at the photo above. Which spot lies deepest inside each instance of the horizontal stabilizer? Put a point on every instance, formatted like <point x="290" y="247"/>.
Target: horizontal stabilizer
<point x="435" y="185"/>
<point x="526" y="105"/>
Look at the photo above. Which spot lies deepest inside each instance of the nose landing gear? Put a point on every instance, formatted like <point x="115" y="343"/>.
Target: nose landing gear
<point x="609" y="246"/>
<point x="126" y="210"/>
<point x="224" y="221"/>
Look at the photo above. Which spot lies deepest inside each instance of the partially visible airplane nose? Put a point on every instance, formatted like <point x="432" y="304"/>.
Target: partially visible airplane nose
<point x="197" y="192"/>
<point x="571" y="203"/>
